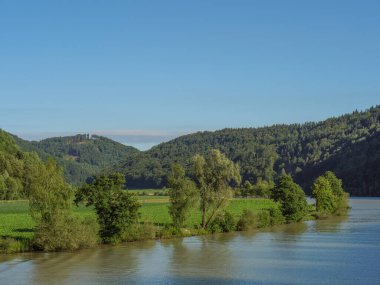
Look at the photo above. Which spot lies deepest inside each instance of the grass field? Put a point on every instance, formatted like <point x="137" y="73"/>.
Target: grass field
<point x="15" y="220"/>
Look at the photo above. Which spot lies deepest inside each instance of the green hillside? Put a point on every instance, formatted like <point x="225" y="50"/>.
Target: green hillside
<point x="349" y="145"/>
<point x="81" y="156"/>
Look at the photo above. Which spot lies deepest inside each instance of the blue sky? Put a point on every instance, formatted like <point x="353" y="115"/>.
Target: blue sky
<point x="146" y="71"/>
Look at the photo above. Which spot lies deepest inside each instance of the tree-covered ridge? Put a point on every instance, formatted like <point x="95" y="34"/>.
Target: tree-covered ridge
<point x="81" y="156"/>
<point x="303" y="150"/>
<point x="16" y="169"/>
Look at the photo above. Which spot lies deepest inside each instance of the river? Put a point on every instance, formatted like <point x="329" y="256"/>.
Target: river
<point x="342" y="250"/>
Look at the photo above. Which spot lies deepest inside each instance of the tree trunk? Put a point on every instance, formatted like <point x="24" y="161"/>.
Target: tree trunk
<point x="203" y="216"/>
<point x="214" y="212"/>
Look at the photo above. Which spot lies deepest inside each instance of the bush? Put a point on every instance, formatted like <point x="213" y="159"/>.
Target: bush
<point x="11" y="245"/>
<point x="66" y="233"/>
<point x="169" y="231"/>
<point x="137" y="232"/>
<point x="116" y="209"/>
<point x="247" y="221"/>
<point x="270" y="217"/>
<point x="264" y="219"/>
<point x="224" y="222"/>
<point x="291" y="198"/>
<point x="276" y="217"/>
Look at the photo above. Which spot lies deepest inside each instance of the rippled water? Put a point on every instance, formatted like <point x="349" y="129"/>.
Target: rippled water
<point x="335" y="251"/>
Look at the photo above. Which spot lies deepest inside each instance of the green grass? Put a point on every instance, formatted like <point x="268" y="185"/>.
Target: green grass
<point x="16" y="222"/>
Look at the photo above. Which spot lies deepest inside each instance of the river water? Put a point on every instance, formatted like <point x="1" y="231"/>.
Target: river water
<point x="335" y="251"/>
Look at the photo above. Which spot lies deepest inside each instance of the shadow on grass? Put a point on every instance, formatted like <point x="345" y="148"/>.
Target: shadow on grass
<point x="24" y="230"/>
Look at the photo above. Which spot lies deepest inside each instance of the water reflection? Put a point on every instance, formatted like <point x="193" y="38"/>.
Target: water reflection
<point x="201" y="256"/>
<point x="330" y="225"/>
<point x="342" y="250"/>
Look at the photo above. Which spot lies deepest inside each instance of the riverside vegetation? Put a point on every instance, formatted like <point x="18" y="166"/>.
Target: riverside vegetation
<point x="112" y="215"/>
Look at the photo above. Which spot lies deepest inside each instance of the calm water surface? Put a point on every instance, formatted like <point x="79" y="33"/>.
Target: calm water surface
<point x="335" y="251"/>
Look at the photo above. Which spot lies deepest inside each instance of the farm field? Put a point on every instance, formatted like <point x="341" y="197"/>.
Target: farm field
<point x="16" y="222"/>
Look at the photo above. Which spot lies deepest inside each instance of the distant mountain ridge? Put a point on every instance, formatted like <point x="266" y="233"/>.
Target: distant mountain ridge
<point x="82" y="155"/>
<point x="349" y="145"/>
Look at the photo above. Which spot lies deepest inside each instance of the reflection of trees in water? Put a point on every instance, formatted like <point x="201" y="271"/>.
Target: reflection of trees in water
<point x="85" y="266"/>
<point x="276" y="232"/>
<point x="248" y="236"/>
<point x="330" y="225"/>
<point x="290" y="233"/>
<point x="10" y="257"/>
<point x="295" y="229"/>
<point x="201" y="256"/>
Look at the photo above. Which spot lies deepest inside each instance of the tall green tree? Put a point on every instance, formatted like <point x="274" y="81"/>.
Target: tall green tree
<point x="291" y="198"/>
<point x="213" y="176"/>
<point x="116" y="209"/>
<point x="50" y="200"/>
<point x="49" y="194"/>
<point x="247" y="189"/>
<point x="183" y="195"/>
<point x="329" y="194"/>
<point x="326" y="201"/>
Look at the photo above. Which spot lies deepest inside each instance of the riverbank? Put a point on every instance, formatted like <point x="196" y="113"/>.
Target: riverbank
<point x="16" y="225"/>
<point x="339" y="250"/>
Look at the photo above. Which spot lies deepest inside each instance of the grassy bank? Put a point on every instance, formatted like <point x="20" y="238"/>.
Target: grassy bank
<point x="15" y="221"/>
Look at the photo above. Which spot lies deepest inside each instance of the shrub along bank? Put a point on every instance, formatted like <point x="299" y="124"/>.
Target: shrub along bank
<point x="200" y="203"/>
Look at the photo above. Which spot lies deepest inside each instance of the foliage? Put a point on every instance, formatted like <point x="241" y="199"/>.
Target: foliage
<point x="264" y="218"/>
<point x="261" y="188"/>
<point x="7" y="143"/>
<point x="276" y="217"/>
<point x="224" y="222"/>
<point x="168" y="231"/>
<point x="50" y="199"/>
<point x="213" y="175"/>
<point x="329" y="194"/>
<point x="11" y="245"/>
<point x="248" y="221"/>
<point x="291" y="198"/>
<point x="116" y="209"/>
<point x="81" y="156"/>
<point x="14" y="169"/>
<point x="270" y="217"/>
<point x="49" y="194"/>
<point x="65" y="233"/>
<point x="246" y="190"/>
<point x="183" y="195"/>
<point x="137" y="232"/>
<point x="349" y="145"/>
<point x="326" y="201"/>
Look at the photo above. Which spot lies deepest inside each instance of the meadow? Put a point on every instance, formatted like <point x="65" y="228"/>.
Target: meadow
<point x="16" y="222"/>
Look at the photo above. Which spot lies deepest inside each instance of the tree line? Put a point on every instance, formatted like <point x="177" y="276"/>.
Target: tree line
<point x="81" y="156"/>
<point x="349" y="145"/>
<point x="208" y="186"/>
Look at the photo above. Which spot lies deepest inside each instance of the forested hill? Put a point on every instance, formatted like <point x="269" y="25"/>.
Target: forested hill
<point x="81" y="156"/>
<point x="16" y="168"/>
<point x="349" y="145"/>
